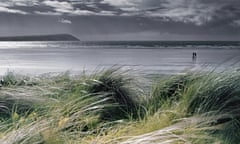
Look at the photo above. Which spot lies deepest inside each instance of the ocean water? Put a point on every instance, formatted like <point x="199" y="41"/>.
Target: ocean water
<point x="165" y="57"/>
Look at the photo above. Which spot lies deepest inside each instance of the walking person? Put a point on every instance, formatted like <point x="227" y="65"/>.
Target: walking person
<point x="194" y="56"/>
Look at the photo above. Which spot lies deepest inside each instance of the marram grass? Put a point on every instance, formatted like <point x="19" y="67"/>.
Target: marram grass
<point x="110" y="107"/>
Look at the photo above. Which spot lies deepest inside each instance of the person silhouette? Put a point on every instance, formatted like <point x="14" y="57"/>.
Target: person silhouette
<point x="194" y="56"/>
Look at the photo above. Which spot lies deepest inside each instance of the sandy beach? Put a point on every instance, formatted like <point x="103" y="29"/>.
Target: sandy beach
<point x="37" y="58"/>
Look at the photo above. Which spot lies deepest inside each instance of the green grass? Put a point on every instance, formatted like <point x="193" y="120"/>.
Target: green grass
<point x="111" y="106"/>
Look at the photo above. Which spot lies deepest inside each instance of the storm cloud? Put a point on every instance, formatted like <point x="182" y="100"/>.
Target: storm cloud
<point x="188" y="11"/>
<point x="169" y="18"/>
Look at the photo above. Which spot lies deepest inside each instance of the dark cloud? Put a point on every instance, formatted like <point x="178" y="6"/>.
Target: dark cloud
<point x="198" y="12"/>
<point x="129" y="19"/>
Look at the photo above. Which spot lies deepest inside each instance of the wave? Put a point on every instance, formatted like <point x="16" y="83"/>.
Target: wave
<point x="126" y="45"/>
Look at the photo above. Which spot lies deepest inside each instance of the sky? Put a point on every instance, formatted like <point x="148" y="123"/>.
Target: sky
<point x="123" y="19"/>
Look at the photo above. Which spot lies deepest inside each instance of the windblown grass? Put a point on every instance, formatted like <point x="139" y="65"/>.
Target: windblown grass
<point x="110" y="107"/>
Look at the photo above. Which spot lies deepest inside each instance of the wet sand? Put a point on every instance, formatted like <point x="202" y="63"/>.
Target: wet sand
<point x="45" y="59"/>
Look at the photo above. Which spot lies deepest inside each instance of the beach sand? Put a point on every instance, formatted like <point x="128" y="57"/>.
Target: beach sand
<point x="44" y="58"/>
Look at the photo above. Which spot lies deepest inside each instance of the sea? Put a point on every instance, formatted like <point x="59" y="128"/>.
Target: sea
<point x="146" y="57"/>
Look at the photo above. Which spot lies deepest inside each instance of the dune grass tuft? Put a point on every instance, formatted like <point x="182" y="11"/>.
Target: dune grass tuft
<point x="109" y="106"/>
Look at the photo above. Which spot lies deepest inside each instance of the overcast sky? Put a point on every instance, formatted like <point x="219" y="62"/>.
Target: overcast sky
<point x="123" y="19"/>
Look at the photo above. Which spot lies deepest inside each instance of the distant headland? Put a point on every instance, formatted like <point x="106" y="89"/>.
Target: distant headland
<point x="54" y="37"/>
